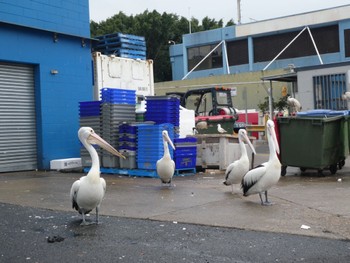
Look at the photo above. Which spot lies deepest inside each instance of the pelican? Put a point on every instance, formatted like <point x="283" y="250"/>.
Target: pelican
<point x="220" y="129"/>
<point x="166" y="166"/>
<point x="236" y="170"/>
<point x="264" y="176"/>
<point x="294" y="104"/>
<point x="346" y="95"/>
<point x="87" y="192"/>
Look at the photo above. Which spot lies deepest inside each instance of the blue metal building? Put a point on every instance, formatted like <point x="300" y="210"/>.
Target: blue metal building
<point x="251" y="47"/>
<point x="45" y="70"/>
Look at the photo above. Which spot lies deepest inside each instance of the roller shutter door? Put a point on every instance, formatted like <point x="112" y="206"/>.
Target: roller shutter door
<point x="18" y="149"/>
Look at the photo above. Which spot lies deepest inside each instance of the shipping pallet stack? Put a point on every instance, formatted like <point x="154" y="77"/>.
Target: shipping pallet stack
<point x="89" y="116"/>
<point x="127" y="145"/>
<point x="122" y="45"/>
<point x="118" y="106"/>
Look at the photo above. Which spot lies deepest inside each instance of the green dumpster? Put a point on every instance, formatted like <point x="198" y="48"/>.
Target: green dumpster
<point x="313" y="142"/>
<point x="209" y="124"/>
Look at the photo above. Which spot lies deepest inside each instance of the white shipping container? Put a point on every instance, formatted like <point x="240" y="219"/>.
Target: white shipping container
<point x="124" y="73"/>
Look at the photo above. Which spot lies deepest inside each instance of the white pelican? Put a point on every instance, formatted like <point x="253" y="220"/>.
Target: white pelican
<point x="294" y="104"/>
<point x="264" y="176"/>
<point x="166" y="166"/>
<point x="87" y="192"/>
<point x="346" y="95"/>
<point x="220" y="129"/>
<point x="236" y="170"/>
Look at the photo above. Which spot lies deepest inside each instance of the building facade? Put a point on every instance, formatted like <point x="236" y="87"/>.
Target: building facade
<point x="242" y="56"/>
<point x="45" y="70"/>
<point x="253" y="46"/>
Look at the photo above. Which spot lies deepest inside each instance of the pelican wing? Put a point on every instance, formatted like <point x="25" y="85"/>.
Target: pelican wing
<point x="229" y="169"/>
<point x="73" y="194"/>
<point x="103" y="182"/>
<point x="252" y="177"/>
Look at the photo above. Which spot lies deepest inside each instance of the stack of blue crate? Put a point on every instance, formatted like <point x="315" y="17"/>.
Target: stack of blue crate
<point x="164" y="109"/>
<point x="127" y="145"/>
<point x="118" y="106"/>
<point x="185" y="153"/>
<point x="150" y="144"/>
<point x="89" y="116"/>
<point x="122" y="45"/>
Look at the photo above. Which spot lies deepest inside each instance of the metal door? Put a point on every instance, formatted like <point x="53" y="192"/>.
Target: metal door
<point x="18" y="149"/>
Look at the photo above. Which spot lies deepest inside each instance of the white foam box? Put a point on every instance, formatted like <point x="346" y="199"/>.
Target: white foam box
<point x="68" y="163"/>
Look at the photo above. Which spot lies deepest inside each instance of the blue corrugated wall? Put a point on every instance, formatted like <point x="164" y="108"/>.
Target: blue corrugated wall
<point x="27" y="36"/>
<point x="68" y="16"/>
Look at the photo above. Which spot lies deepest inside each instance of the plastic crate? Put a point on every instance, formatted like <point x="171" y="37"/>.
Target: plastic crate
<point x="185" y="150"/>
<point x="182" y="162"/>
<point x="130" y="159"/>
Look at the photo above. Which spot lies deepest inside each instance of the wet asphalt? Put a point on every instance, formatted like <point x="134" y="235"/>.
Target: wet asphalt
<point x="42" y="235"/>
<point x="198" y="220"/>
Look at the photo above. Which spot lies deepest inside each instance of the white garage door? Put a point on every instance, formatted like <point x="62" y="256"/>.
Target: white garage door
<point x="18" y="149"/>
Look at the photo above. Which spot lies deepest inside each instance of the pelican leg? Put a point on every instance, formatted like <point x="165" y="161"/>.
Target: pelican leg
<point x="84" y="223"/>
<point x="267" y="202"/>
<point x="97" y="215"/>
<point x="262" y="202"/>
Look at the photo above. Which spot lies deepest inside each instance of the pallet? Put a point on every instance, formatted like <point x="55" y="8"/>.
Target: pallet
<point x="143" y="172"/>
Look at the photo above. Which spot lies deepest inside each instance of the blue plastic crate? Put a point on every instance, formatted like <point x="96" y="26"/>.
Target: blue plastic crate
<point x="151" y="129"/>
<point x="107" y="90"/>
<point x="89" y="108"/>
<point x="90" y="104"/>
<point x="185" y="162"/>
<point x="146" y="165"/>
<point x="175" y="103"/>
<point x="162" y="98"/>
<point x="165" y="112"/>
<point x="127" y="147"/>
<point x="187" y="140"/>
<point x="127" y="128"/>
<point x="118" y="101"/>
<point x="338" y="113"/>
<point x="185" y="151"/>
<point x="127" y="139"/>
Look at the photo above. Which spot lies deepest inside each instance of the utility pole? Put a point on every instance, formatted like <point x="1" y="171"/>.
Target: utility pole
<point x="189" y="20"/>
<point x="239" y="12"/>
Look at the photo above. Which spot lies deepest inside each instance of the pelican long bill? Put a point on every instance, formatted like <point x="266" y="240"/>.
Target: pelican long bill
<point x="94" y="138"/>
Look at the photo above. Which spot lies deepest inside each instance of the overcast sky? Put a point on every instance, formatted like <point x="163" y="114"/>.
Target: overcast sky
<point x="251" y="10"/>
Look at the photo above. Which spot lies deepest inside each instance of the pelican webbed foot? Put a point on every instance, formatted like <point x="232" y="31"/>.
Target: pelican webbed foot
<point x="266" y="202"/>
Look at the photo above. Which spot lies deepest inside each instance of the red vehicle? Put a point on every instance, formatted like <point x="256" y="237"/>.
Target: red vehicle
<point x="212" y="106"/>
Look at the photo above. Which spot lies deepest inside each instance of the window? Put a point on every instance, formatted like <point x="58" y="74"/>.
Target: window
<point x="267" y="47"/>
<point x="347" y="42"/>
<point x="328" y="90"/>
<point x="237" y="52"/>
<point x="196" y="54"/>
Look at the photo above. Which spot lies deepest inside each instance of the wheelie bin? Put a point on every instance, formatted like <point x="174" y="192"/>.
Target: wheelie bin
<point x="313" y="142"/>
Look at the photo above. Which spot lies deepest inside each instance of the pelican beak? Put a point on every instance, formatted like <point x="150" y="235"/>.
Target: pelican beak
<point x="167" y="138"/>
<point x="274" y="138"/>
<point x="246" y="138"/>
<point x="96" y="139"/>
